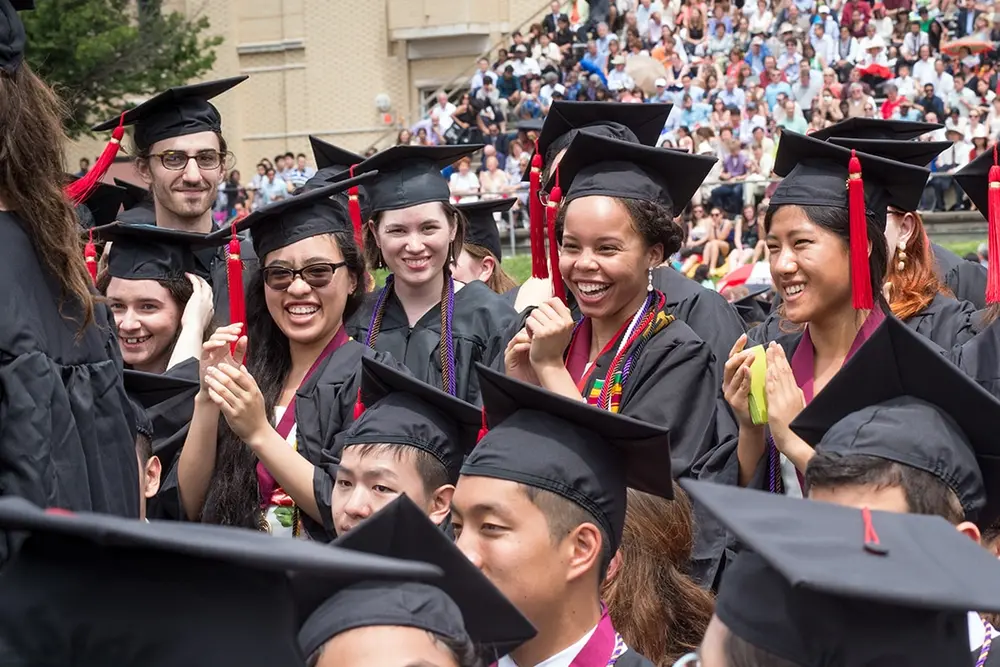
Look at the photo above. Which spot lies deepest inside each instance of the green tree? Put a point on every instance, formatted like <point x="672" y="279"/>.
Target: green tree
<point x="98" y="52"/>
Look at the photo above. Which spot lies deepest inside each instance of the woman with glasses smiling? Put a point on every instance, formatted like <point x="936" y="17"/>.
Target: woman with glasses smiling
<point x="263" y="465"/>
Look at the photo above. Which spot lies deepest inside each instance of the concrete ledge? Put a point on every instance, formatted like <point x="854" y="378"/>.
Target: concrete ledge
<point x="271" y="47"/>
<point x="449" y="30"/>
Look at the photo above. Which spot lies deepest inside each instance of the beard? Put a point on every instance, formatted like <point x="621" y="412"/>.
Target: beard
<point x="188" y="205"/>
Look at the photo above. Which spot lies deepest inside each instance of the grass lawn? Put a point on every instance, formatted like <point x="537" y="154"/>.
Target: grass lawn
<point x="519" y="266"/>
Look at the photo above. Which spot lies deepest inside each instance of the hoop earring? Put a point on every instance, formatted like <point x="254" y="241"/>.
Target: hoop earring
<point x="901" y="256"/>
<point x="649" y="278"/>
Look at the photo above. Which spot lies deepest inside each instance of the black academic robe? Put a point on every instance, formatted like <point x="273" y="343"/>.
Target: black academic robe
<point x="706" y="311"/>
<point x="66" y="433"/>
<point x="480" y="323"/>
<point x="966" y="280"/>
<point x="632" y="658"/>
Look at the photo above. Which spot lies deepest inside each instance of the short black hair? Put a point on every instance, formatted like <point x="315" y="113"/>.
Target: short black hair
<point x="563" y="516"/>
<point x="300" y="155"/>
<point x="431" y="471"/>
<point x="463" y="651"/>
<point x="290" y="154"/>
<point x="143" y="448"/>
<point x="925" y="493"/>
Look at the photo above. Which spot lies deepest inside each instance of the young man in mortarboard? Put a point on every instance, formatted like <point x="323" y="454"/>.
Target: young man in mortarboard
<point x="833" y="586"/>
<point x="410" y="440"/>
<point x="902" y="429"/>
<point x="182" y="155"/>
<point x="446" y="623"/>
<point x="540" y="509"/>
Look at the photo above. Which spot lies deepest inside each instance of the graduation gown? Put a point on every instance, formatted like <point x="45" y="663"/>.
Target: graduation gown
<point x="479" y="325"/>
<point x="965" y="279"/>
<point x="66" y="437"/>
<point x="706" y="311"/>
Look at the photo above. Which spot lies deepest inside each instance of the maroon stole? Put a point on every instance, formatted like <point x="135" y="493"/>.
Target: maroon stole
<point x="268" y="485"/>
<point x="603" y="648"/>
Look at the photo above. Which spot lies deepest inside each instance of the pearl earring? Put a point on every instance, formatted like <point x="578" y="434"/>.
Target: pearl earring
<point x="901" y="256"/>
<point x="649" y="276"/>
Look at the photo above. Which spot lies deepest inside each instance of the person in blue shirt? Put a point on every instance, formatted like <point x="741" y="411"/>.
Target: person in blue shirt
<point x="775" y="88"/>
<point x="756" y="55"/>
<point x="693" y="114"/>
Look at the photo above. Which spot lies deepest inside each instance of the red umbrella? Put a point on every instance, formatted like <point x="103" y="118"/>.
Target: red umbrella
<point x="974" y="45"/>
<point x="736" y="277"/>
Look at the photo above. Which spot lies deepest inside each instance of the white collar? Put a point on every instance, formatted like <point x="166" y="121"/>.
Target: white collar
<point x="977" y="631"/>
<point x="561" y="659"/>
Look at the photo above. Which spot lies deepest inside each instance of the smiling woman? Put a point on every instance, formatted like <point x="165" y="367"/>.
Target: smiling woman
<point x="828" y="263"/>
<point x="266" y="467"/>
<point x="438" y="327"/>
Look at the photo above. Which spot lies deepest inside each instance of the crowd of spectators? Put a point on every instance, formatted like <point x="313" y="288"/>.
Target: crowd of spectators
<point x="738" y="73"/>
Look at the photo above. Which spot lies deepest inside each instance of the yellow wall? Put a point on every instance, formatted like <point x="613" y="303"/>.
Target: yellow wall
<point x="316" y="66"/>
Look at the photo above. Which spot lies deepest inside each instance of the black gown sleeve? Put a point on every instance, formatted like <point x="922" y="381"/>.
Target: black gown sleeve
<point x="945" y="321"/>
<point x="965" y="279"/>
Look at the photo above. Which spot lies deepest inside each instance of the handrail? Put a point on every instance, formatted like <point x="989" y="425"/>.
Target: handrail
<point x="467" y="72"/>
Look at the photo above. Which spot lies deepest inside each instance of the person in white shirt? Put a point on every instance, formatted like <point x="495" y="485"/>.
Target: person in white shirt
<point x="482" y="68"/>
<point x="618" y="76"/>
<point x="943" y="82"/>
<point x="952" y="159"/>
<point x="905" y="84"/>
<point x="444" y="110"/>
<point x="912" y="41"/>
<point x="761" y="18"/>
<point x="923" y="69"/>
<point x="823" y="45"/>
<point x="522" y="64"/>
<point x="645" y="11"/>
<point x="807" y="86"/>
<point x="546" y="50"/>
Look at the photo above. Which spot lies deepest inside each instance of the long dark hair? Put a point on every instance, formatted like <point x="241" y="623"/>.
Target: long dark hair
<point x="657" y="608"/>
<point x="31" y="177"/>
<point x="232" y="498"/>
<point x="837" y="220"/>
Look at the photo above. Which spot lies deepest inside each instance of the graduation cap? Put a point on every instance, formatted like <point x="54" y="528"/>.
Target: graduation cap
<point x="833" y="586"/>
<point x="462" y="605"/>
<point x="147" y="252"/>
<point x="411" y="175"/>
<point x="137" y="208"/>
<point x="916" y="153"/>
<point x="875" y="128"/>
<point x="175" y="112"/>
<point x="980" y="179"/>
<point x="293" y="219"/>
<point x="331" y="161"/>
<point x="482" y="228"/>
<point x="12" y="36"/>
<point x="596" y="165"/>
<point x="102" y="206"/>
<point x="574" y="450"/>
<point x="167" y="402"/>
<point x="898" y="398"/>
<point x="401" y="410"/>
<point x="151" y="389"/>
<point x="819" y="173"/>
<point x="218" y="595"/>
<point x="135" y="195"/>
<point x="749" y="307"/>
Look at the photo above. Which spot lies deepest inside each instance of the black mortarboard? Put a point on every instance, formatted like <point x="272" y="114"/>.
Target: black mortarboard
<point x="635" y="123"/>
<point x="137" y="208"/>
<point x="875" y="128"/>
<point x="531" y="125"/>
<point x="326" y="155"/>
<point x="167" y="401"/>
<point x="482" y="228"/>
<point x="899" y="399"/>
<point x="462" y="605"/>
<point x="151" y="389"/>
<point x="290" y="220"/>
<point x="134" y="194"/>
<point x="596" y="165"/>
<point x="750" y="307"/>
<point x="102" y="205"/>
<point x="916" y="153"/>
<point x="411" y="175"/>
<point x="12" y="36"/>
<point x="147" y="252"/>
<point x="833" y="586"/>
<point x="974" y="180"/>
<point x="401" y="410"/>
<point x="176" y="112"/>
<point x="816" y="173"/>
<point x="221" y="595"/>
<point x="567" y="447"/>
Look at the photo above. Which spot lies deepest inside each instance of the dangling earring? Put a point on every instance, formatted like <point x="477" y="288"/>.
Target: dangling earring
<point x="901" y="257"/>
<point x="649" y="276"/>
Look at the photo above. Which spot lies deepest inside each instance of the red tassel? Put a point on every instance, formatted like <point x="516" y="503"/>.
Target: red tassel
<point x="234" y="276"/>
<point x="551" y="213"/>
<point x="861" y="280"/>
<point x="359" y="406"/>
<point x="354" y="209"/>
<point x="80" y="189"/>
<point x="90" y="255"/>
<point x="484" y="428"/>
<point x="993" y="244"/>
<point x="536" y="219"/>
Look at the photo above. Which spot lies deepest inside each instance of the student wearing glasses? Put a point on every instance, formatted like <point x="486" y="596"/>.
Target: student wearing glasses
<point x="181" y="155"/>
<point x="254" y="454"/>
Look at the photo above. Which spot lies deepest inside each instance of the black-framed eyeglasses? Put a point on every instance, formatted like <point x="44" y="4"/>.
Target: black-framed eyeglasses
<point x="178" y="160"/>
<point x="280" y="278"/>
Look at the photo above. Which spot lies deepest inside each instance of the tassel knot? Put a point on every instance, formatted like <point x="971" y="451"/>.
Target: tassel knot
<point x="90" y="256"/>
<point x="359" y="406"/>
<point x="80" y="189"/>
<point x="861" y="280"/>
<point x="354" y="210"/>
<point x="993" y="244"/>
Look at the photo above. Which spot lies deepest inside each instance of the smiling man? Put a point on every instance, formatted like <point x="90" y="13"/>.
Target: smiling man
<point x="540" y="509"/>
<point x="181" y="155"/>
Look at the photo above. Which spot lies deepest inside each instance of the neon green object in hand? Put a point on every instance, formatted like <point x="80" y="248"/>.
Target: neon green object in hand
<point x="758" y="391"/>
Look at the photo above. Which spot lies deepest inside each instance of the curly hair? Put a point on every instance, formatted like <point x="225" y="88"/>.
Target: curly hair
<point x="653" y="221"/>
